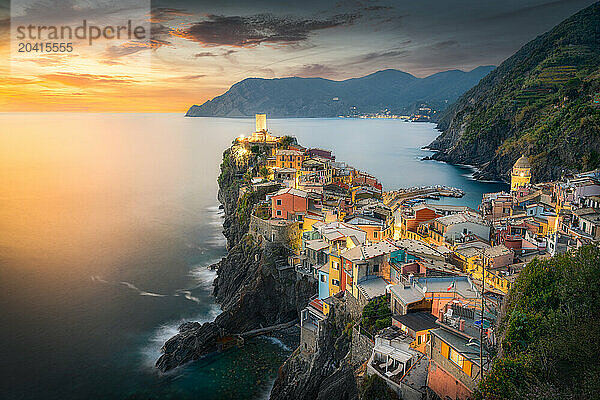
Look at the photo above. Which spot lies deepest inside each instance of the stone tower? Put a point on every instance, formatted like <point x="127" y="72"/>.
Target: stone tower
<point x="261" y="122"/>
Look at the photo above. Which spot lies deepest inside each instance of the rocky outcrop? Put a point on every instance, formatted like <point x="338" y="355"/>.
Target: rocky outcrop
<point x="254" y="286"/>
<point x="541" y="102"/>
<point x="326" y="374"/>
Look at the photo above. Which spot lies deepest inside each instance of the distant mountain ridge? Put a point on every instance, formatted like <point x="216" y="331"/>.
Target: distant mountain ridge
<point x="544" y="102"/>
<point x="397" y="91"/>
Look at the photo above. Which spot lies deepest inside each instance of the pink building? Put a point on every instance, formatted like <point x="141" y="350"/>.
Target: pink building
<point x="288" y="202"/>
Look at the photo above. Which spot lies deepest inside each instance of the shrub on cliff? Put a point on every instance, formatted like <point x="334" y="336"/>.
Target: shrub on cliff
<point x="376" y="315"/>
<point x="375" y="388"/>
<point x="550" y="331"/>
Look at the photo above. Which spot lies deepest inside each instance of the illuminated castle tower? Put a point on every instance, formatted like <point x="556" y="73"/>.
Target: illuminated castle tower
<point x="521" y="174"/>
<point x="261" y="122"/>
<point x="261" y="134"/>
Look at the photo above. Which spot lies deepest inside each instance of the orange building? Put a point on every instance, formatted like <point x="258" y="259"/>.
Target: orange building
<point x="417" y="325"/>
<point x="412" y="217"/>
<point x="289" y="159"/>
<point x="288" y="203"/>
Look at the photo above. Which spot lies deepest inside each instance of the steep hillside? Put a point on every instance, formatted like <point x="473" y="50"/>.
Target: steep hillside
<point x="544" y="102"/>
<point x="550" y="332"/>
<point x="314" y="97"/>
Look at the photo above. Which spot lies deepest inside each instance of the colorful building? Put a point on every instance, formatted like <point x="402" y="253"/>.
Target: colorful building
<point x="521" y="174"/>
<point x="289" y="159"/>
<point x="288" y="203"/>
<point x="451" y="228"/>
<point x="454" y="369"/>
<point x="417" y="325"/>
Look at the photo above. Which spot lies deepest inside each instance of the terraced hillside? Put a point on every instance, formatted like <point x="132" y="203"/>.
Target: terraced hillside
<point x="543" y="102"/>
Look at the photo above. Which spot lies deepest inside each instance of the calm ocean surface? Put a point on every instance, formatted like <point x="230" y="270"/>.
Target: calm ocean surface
<point x="107" y="224"/>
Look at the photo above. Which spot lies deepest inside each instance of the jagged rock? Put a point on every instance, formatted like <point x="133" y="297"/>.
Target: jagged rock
<point x="252" y="289"/>
<point x="190" y="344"/>
<point x="324" y="375"/>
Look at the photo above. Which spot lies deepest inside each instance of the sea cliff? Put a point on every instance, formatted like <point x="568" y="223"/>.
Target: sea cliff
<point x="253" y="287"/>
<point x="541" y="102"/>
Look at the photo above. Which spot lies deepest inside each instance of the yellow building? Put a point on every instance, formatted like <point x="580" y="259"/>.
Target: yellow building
<point x="521" y="174"/>
<point x="495" y="277"/>
<point x="335" y="274"/>
<point x="289" y="159"/>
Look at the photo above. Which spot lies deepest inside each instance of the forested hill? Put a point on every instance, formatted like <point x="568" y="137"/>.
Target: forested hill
<point x="543" y="102"/>
<point x="550" y="330"/>
<point x="390" y="89"/>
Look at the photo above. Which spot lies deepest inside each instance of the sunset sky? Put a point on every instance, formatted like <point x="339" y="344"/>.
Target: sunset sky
<point x="198" y="49"/>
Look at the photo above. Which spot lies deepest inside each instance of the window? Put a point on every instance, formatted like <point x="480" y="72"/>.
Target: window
<point x="375" y="234"/>
<point x="335" y="282"/>
<point x="278" y="213"/>
<point x="456" y="358"/>
<point x="323" y="278"/>
<point x="278" y="202"/>
<point x="335" y="265"/>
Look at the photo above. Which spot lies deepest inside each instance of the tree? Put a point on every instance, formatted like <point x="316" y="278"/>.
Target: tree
<point x="550" y="331"/>
<point x="264" y="172"/>
<point x="375" y="388"/>
<point x="286" y="141"/>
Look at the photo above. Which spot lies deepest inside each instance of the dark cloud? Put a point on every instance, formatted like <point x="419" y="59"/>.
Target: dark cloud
<point x="159" y="35"/>
<point x="376" y="8"/>
<point x="125" y="49"/>
<point x="164" y="14"/>
<point x="248" y="31"/>
<point x="188" y="77"/>
<point x="444" y="45"/>
<point x="379" y="55"/>
<point x="223" y="53"/>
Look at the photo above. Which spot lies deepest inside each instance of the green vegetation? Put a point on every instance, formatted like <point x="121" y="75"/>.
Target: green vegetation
<point x="264" y="172"/>
<point x="550" y="332"/>
<point x="539" y="102"/>
<point x="286" y="141"/>
<point x="244" y="207"/>
<point x="375" y="388"/>
<point x="376" y="315"/>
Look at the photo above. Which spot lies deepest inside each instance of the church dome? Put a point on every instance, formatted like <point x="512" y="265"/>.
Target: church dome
<point x="522" y="162"/>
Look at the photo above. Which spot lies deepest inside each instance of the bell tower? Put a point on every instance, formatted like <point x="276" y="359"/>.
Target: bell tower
<point x="521" y="174"/>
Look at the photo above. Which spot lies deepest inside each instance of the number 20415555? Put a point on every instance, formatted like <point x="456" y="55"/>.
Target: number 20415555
<point x="45" y="47"/>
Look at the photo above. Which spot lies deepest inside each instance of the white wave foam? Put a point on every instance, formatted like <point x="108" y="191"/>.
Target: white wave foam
<point x="151" y="350"/>
<point x="188" y="295"/>
<point x="214" y="208"/>
<point x="97" y="278"/>
<point x="141" y="292"/>
<point x="277" y="342"/>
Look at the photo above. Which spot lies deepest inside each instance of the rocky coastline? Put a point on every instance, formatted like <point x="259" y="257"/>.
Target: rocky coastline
<point x="251" y="287"/>
<point x="254" y="291"/>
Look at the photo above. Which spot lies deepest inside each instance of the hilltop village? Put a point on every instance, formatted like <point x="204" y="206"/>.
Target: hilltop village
<point x="425" y="281"/>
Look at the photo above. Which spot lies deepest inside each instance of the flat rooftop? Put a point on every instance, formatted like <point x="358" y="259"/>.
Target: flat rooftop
<point x="417" y="321"/>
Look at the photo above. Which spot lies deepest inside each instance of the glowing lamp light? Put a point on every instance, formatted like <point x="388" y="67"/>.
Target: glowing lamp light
<point x="522" y="174"/>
